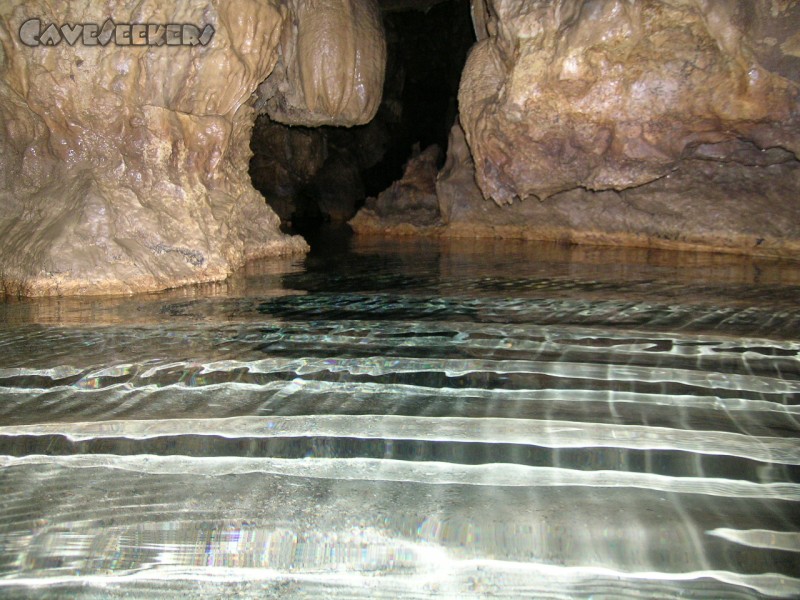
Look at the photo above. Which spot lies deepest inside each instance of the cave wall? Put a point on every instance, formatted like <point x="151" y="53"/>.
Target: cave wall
<point x="615" y="94"/>
<point x="124" y="167"/>
<point x="669" y="123"/>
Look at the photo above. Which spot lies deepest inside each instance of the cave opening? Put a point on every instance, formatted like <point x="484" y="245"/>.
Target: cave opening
<point x="313" y="176"/>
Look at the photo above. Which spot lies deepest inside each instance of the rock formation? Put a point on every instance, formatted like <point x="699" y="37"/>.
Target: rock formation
<point x="124" y="149"/>
<point x="285" y="161"/>
<point x="426" y="46"/>
<point x="407" y="205"/>
<point x="315" y="174"/>
<point x="615" y="94"/>
<point x="331" y="62"/>
<point x="658" y="122"/>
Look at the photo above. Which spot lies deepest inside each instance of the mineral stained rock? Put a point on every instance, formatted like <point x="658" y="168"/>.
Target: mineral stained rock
<point x="611" y="94"/>
<point x="669" y="123"/>
<point x="123" y="167"/>
<point x="705" y="205"/>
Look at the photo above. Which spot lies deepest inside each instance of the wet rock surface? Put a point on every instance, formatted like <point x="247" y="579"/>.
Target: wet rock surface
<point x="656" y="123"/>
<point x="331" y="65"/>
<point x="124" y="168"/>
<point x="614" y="95"/>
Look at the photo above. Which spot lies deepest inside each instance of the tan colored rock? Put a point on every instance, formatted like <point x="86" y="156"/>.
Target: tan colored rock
<point x="458" y="195"/>
<point x="126" y="166"/>
<point x="331" y="63"/>
<point x="123" y="168"/>
<point x="656" y="123"/>
<point x="706" y="205"/>
<point x="610" y="94"/>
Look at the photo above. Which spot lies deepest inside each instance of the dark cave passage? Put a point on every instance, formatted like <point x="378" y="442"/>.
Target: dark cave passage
<point x="312" y="176"/>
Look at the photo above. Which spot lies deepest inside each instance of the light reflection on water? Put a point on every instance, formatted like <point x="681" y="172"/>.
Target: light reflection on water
<point x="411" y="419"/>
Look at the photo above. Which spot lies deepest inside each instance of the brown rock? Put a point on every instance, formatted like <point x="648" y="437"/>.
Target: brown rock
<point x="690" y="209"/>
<point x="604" y="95"/>
<point x="285" y="159"/>
<point x="336" y="187"/>
<point x="410" y="203"/>
<point x="456" y="190"/>
<point x="671" y="124"/>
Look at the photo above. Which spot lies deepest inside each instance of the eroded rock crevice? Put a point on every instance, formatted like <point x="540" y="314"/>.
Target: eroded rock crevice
<point x="324" y="174"/>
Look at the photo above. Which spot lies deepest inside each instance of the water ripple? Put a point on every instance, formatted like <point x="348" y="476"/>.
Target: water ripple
<point x="402" y="419"/>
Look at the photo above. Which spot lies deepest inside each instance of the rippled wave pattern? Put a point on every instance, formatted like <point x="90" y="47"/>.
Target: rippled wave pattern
<point x="409" y="420"/>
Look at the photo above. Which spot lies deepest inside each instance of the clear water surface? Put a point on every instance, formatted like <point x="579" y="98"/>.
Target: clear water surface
<point x="410" y="418"/>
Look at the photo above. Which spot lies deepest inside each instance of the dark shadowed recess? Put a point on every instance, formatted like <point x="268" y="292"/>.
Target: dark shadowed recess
<point x="314" y="175"/>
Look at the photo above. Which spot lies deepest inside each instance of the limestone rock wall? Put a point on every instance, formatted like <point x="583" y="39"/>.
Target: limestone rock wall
<point x="124" y="167"/>
<point x="612" y="94"/>
<point x="666" y="123"/>
<point x="408" y="205"/>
